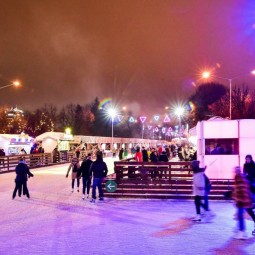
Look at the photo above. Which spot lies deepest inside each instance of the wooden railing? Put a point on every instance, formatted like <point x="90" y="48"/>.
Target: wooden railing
<point x="8" y="163"/>
<point x="144" y="171"/>
<point x="160" y="180"/>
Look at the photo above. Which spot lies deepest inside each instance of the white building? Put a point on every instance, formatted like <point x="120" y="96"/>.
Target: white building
<point x="223" y="144"/>
<point x="13" y="144"/>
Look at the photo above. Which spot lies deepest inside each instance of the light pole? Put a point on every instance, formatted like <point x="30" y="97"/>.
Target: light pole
<point x="112" y="113"/>
<point x="179" y="111"/>
<point x="207" y="75"/>
<point x="14" y="83"/>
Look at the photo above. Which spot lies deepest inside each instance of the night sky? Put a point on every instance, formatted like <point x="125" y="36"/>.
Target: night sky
<point x="142" y="53"/>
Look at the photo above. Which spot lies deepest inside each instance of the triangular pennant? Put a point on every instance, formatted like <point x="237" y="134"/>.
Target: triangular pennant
<point x="163" y="130"/>
<point x="120" y="118"/>
<point x="156" y="117"/>
<point x="149" y="127"/>
<point x="143" y="119"/>
<point x="156" y="129"/>
<point x="131" y="119"/>
<point x="167" y="119"/>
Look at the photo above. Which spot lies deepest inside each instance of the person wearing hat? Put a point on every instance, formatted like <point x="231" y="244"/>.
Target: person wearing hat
<point x="86" y="175"/>
<point x="22" y="172"/>
<point x="75" y="165"/>
<point x="198" y="188"/>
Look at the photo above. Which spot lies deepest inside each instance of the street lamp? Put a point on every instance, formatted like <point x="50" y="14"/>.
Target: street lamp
<point x="112" y="113"/>
<point x="207" y="74"/>
<point x="14" y="83"/>
<point x="179" y="111"/>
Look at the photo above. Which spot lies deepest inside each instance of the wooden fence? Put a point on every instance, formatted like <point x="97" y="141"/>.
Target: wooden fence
<point x="160" y="180"/>
<point x="8" y="163"/>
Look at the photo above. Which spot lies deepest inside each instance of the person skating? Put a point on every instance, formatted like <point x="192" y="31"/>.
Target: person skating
<point x="22" y="173"/>
<point x="198" y="188"/>
<point x="99" y="171"/>
<point x="75" y="165"/>
<point x="86" y="175"/>
<point x="242" y="196"/>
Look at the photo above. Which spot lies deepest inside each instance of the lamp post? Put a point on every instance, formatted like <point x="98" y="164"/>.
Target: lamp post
<point x="112" y="113"/>
<point x="207" y="75"/>
<point x="179" y="111"/>
<point x="14" y="83"/>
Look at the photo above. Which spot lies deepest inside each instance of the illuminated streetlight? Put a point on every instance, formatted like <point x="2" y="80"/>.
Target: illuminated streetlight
<point x="112" y="113"/>
<point x="179" y="111"/>
<point x="14" y="83"/>
<point x="207" y="75"/>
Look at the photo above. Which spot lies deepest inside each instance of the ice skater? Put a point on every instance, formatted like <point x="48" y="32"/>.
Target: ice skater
<point x="86" y="175"/>
<point x="99" y="170"/>
<point x="75" y="165"/>
<point x="242" y="196"/>
<point x="198" y="188"/>
<point x="22" y="172"/>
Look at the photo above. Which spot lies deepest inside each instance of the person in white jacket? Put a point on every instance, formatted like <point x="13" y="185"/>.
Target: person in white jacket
<point x="198" y="187"/>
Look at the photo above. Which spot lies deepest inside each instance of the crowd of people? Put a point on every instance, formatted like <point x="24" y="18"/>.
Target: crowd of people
<point x="184" y="152"/>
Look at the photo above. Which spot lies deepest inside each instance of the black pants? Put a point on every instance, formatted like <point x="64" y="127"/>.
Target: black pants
<point x="86" y="184"/>
<point x="18" y="187"/>
<point x="251" y="213"/>
<point x="198" y="204"/>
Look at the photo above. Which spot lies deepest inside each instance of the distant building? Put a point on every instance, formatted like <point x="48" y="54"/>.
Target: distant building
<point x="14" y="112"/>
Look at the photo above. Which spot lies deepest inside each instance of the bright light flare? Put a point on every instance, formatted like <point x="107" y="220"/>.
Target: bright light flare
<point x="16" y="83"/>
<point x="253" y="72"/>
<point x="112" y="113"/>
<point x="179" y="111"/>
<point x="206" y="74"/>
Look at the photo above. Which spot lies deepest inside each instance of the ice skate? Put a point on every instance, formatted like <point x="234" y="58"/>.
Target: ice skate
<point x="241" y="235"/>
<point x="197" y="218"/>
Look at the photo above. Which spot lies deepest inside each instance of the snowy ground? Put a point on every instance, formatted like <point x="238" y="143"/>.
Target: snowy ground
<point x="55" y="221"/>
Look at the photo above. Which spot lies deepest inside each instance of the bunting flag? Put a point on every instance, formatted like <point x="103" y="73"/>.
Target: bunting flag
<point x="142" y="119"/>
<point x="167" y="119"/>
<point x="131" y="119"/>
<point x="120" y="118"/>
<point x="156" y="117"/>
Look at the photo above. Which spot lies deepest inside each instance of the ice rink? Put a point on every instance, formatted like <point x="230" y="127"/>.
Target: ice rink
<point x="56" y="221"/>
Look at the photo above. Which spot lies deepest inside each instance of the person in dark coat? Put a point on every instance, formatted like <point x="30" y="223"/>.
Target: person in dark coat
<point x="121" y="152"/>
<point x="145" y="154"/>
<point x="22" y="172"/>
<point x="163" y="157"/>
<point x="153" y="155"/>
<point x="249" y="169"/>
<point x="99" y="171"/>
<point x="249" y="172"/>
<point x="86" y="175"/>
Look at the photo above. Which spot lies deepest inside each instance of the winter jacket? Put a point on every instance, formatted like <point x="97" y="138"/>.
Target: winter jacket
<point x="249" y="170"/>
<point x="241" y="192"/>
<point x="22" y="172"/>
<point x="199" y="184"/>
<point x="99" y="169"/>
<point x="153" y="157"/>
<point x="163" y="157"/>
<point x="75" y="169"/>
<point x="145" y="155"/>
<point x="84" y="169"/>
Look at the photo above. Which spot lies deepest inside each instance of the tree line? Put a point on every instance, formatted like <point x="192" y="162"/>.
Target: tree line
<point x="208" y="100"/>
